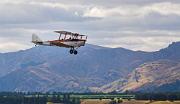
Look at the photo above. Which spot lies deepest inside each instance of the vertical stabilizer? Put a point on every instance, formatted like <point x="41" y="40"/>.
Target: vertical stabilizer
<point x="35" y="38"/>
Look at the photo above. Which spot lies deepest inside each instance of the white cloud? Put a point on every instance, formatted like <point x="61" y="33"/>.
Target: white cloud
<point x="140" y="43"/>
<point x="138" y="25"/>
<point x="95" y="12"/>
<point x="52" y="5"/>
<point x="12" y="46"/>
<point x="132" y="11"/>
<point x="166" y="8"/>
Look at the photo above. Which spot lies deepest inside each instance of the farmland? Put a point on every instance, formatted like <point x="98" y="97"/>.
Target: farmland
<point x="129" y="102"/>
<point x="89" y="98"/>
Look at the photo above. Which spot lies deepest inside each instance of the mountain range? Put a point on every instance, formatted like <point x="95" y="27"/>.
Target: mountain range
<point x="94" y="69"/>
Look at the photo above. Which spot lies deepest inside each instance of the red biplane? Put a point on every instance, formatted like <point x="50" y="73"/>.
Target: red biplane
<point x="66" y="39"/>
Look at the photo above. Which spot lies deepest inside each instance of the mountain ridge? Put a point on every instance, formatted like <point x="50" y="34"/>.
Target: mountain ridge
<point x="53" y="69"/>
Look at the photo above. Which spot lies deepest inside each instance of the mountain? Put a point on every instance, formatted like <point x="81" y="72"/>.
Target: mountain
<point x="95" y="68"/>
<point x="160" y="74"/>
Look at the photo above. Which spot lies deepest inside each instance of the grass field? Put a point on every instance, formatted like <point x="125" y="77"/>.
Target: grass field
<point x="128" y="102"/>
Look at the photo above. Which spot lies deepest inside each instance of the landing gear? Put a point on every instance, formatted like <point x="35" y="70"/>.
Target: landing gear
<point x="73" y="51"/>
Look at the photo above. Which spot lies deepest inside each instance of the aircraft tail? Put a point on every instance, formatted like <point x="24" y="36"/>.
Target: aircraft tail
<point x="35" y="38"/>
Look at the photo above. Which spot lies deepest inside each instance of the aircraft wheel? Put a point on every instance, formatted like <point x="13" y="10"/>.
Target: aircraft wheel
<point x="75" y="52"/>
<point x="71" y="51"/>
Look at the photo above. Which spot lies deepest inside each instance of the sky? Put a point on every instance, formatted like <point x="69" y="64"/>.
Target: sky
<point x="146" y="25"/>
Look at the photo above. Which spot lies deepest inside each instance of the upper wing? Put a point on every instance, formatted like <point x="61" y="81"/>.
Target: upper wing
<point x="69" y="33"/>
<point x="63" y="32"/>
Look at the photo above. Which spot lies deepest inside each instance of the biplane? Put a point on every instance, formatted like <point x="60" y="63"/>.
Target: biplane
<point x="66" y="39"/>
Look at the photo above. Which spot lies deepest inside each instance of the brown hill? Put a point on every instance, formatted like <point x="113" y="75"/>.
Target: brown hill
<point x="151" y="76"/>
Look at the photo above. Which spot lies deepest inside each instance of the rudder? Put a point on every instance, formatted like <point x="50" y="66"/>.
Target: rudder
<point x="35" y="38"/>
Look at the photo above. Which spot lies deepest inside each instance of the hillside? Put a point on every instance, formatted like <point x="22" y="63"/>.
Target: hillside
<point x="54" y="69"/>
<point x="161" y="74"/>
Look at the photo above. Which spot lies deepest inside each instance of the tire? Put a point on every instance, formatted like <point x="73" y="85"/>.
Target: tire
<point x="71" y="51"/>
<point x="75" y="52"/>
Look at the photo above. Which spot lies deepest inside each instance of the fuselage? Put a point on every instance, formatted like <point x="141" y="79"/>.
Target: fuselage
<point x="63" y="43"/>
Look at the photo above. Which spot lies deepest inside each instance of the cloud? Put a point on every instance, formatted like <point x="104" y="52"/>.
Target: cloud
<point x="138" y="40"/>
<point x="165" y="8"/>
<point x="11" y="46"/>
<point x="139" y="25"/>
<point x="37" y="12"/>
<point x="110" y="4"/>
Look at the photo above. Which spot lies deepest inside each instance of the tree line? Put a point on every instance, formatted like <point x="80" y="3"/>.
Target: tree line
<point x="43" y="98"/>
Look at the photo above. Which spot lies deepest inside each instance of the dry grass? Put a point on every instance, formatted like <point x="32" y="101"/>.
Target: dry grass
<point x="135" y="102"/>
<point x="95" y="102"/>
<point x="165" y="102"/>
<point x="128" y="102"/>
